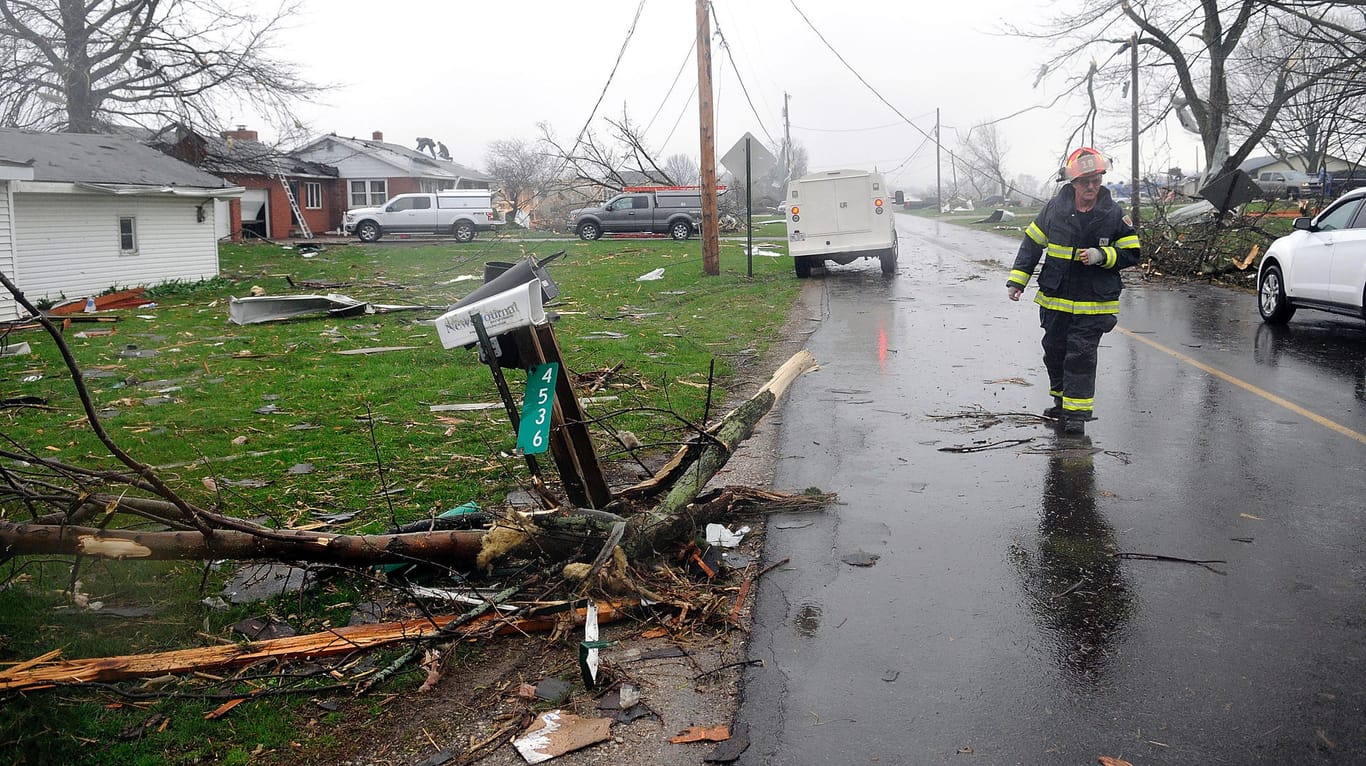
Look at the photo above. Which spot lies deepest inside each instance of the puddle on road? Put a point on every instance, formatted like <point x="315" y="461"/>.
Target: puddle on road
<point x="808" y="620"/>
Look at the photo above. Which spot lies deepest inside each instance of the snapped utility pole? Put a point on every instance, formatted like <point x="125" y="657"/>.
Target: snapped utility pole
<point x="711" y="234"/>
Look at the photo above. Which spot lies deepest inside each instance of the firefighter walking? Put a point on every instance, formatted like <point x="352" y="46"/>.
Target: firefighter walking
<point x="1085" y="240"/>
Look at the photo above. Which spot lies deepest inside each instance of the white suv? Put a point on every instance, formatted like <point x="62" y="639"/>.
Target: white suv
<point x="1321" y="265"/>
<point x="456" y="212"/>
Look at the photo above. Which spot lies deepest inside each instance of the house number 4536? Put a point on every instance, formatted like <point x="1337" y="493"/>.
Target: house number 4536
<point x="533" y="433"/>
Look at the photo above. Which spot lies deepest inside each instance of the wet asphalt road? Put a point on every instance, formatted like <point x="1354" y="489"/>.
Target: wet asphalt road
<point x="995" y="625"/>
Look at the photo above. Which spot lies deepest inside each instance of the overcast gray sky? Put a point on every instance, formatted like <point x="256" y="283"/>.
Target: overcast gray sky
<point x="468" y="73"/>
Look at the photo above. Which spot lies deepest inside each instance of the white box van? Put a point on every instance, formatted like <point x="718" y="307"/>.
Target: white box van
<point x="840" y="216"/>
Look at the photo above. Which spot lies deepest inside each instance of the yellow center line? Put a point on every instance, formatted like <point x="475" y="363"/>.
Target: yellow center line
<point x="1267" y="395"/>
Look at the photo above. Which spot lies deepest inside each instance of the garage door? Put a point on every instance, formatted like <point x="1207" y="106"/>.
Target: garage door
<point x="256" y="213"/>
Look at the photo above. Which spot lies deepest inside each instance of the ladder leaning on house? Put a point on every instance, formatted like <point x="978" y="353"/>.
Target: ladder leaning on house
<point x="294" y="206"/>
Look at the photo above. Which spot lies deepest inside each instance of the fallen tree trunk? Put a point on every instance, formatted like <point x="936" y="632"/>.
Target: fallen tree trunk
<point x="666" y="521"/>
<point x="457" y="547"/>
<point x="47" y="670"/>
<point x="233" y="538"/>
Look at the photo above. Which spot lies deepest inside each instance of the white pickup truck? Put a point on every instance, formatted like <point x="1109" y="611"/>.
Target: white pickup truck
<point x="457" y="212"/>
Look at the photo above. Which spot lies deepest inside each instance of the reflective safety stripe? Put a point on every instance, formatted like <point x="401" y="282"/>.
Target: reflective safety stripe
<point x="1060" y="251"/>
<point x="1055" y="394"/>
<point x="1077" y="405"/>
<point x="1036" y="234"/>
<point x="1111" y="254"/>
<point x="1077" y="307"/>
<point x="1018" y="277"/>
<point x="1127" y="242"/>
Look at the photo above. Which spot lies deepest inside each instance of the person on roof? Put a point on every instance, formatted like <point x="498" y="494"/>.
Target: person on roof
<point x="1087" y="239"/>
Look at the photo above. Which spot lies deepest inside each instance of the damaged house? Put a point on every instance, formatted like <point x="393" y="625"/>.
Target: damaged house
<point x="372" y="170"/>
<point x="284" y="196"/>
<point x="83" y="213"/>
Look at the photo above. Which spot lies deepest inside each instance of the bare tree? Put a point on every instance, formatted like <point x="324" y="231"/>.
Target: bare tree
<point x="985" y="152"/>
<point x="603" y="163"/>
<point x="1189" y="51"/>
<point x="523" y="171"/>
<point x="82" y="65"/>
<point x="1322" y="118"/>
<point x="683" y="169"/>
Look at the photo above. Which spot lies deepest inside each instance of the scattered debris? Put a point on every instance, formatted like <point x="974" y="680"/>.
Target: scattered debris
<point x="718" y="534"/>
<point x="860" y="559"/>
<point x="15" y="349"/>
<point x="557" y="732"/>
<point x="702" y="734"/>
<point x="1159" y="557"/>
<point x="376" y="350"/>
<point x="651" y="275"/>
<point x="123" y="299"/>
<point x="257" y="582"/>
<point x="1105" y="760"/>
<point x="731" y="749"/>
<point x="261" y="308"/>
<point x="997" y="216"/>
<point x="983" y="446"/>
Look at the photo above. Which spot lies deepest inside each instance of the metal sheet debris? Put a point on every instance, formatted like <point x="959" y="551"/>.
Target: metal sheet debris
<point x="556" y="732"/>
<point x="274" y="308"/>
<point x="651" y="276"/>
<point x="15" y="349"/>
<point x="997" y="216"/>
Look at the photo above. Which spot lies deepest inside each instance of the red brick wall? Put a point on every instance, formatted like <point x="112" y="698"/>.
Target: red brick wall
<point x="281" y="222"/>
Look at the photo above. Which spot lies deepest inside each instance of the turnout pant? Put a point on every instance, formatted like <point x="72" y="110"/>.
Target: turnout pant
<point x="1069" y="353"/>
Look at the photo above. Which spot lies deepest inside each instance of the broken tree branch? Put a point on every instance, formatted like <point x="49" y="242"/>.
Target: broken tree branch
<point x="47" y="670"/>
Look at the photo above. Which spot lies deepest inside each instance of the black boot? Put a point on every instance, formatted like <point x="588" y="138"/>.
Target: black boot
<point x="1054" y="412"/>
<point x="1075" y="426"/>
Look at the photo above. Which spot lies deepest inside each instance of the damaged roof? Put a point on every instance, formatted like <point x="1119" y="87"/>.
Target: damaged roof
<point x="99" y="159"/>
<point x="238" y="156"/>
<point x="410" y="161"/>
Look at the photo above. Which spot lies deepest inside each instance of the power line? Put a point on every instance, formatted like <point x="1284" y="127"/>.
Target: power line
<point x="739" y="79"/>
<point x="880" y="97"/>
<point x="620" y="54"/>
<point x="686" y="58"/>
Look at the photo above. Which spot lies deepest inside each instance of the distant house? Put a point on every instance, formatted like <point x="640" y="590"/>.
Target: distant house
<point x="1254" y="165"/>
<point x="268" y="176"/>
<point x="373" y="171"/>
<point x="82" y="213"/>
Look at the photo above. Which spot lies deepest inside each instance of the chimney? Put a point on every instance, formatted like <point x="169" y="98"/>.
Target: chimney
<point x="241" y="134"/>
<point x="377" y="136"/>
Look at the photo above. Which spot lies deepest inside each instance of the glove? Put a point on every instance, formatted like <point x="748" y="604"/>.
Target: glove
<point x="1092" y="256"/>
<point x="1013" y="292"/>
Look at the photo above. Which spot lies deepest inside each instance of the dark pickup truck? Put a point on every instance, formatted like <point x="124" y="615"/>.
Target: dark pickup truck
<point x="676" y="212"/>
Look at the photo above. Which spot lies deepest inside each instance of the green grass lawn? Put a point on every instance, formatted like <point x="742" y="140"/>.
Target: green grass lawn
<point x="271" y="422"/>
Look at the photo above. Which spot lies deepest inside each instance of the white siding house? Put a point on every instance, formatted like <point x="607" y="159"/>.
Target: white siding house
<point x="82" y="214"/>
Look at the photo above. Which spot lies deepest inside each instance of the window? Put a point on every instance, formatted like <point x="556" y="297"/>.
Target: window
<point x="369" y="193"/>
<point x="313" y="195"/>
<point x="128" y="235"/>
<point x="1339" y="217"/>
<point x="411" y="203"/>
<point x="640" y="203"/>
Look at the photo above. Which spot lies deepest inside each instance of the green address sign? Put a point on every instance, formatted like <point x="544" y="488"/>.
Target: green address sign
<point x="533" y="433"/>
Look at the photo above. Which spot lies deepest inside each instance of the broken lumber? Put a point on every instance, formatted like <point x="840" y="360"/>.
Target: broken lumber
<point x="47" y="671"/>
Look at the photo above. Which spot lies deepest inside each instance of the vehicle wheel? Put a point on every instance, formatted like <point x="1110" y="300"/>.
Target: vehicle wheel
<point x="589" y="231"/>
<point x="802" y="264"/>
<point x="1271" y="300"/>
<point x="463" y="231"/>
<point x="888" y="260"/>
<point x="369" y="231"/>
<point x="680" y="230"/>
